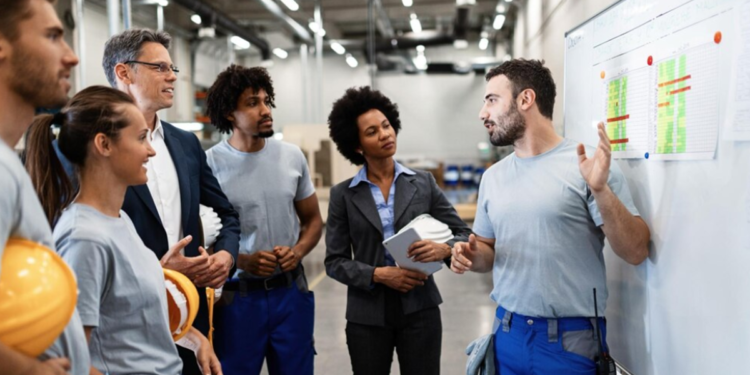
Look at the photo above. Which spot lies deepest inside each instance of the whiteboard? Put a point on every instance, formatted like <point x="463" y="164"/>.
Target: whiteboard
<point x="686" y="309"/>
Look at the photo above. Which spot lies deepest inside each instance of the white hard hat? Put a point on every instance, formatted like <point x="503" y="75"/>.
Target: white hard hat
<point x="428" y="228"/>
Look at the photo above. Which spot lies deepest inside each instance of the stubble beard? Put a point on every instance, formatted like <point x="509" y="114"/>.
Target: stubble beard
<point x="509" y="129"/>
<point x="31" y="81"/>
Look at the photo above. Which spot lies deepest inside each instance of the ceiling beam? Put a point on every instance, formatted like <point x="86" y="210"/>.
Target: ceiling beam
<point x="274" y="9"/>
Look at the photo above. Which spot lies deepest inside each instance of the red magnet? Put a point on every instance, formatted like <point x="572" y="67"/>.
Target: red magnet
<point x="717" y="37"/>
<point x="650" y="60"/>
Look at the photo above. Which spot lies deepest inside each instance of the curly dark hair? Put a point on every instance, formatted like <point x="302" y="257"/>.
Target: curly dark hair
<point x="529" y="74"/>
<point x="342" y="122"/>
<point x="229" y="86"/>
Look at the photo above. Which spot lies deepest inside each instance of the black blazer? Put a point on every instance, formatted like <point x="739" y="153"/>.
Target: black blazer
<point x="197" y="186"/>
<point x="354" y="237"/>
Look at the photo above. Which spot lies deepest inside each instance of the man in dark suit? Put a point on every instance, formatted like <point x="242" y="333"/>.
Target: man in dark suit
<point x="165" y="211"/>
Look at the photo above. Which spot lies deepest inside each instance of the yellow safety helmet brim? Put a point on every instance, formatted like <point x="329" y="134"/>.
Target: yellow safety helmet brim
<point x="38" y="294"/>
<point x="183" y="307"/>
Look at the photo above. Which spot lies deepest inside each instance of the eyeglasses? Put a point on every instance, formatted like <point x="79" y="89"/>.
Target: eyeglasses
<point x="160" y="67"/>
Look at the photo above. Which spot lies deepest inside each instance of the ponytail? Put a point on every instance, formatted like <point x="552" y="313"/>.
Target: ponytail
<point x="51" y="182"/>
<point x="92" y="111"/>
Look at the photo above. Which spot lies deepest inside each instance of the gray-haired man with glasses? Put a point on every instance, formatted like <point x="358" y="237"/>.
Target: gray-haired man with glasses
<point x="160" y="67"/>
<point x="165" y="211"/>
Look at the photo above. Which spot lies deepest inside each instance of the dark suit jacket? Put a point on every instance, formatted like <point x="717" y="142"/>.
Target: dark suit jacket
<point x="197" y="186"/>
<point x="354" y="237"/>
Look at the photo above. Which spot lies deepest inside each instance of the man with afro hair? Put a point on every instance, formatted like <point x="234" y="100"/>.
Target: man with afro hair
<point x="270" y="312"/>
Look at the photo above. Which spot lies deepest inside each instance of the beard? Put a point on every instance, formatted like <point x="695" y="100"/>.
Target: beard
<point x="266" y="134"/>
<point x="509" y="129"/>
<point x="33" y="81"/>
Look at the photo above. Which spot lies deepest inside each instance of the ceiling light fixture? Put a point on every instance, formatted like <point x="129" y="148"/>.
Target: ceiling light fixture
<point x="407" y="3"/>
<point x="420" y="62"/>
<point x="351" y="60"/>
<point x="499" y="21"/>
<point x="239" y="43"/>
<point x="196" y="18"/>
<point x="416" y="26"/>
<point x="484" y="43"/>
<point x="338" y="48"/>
<point x="316" y="29"/>
<point x="280" y="53"/>
<point x="291" y="4"/>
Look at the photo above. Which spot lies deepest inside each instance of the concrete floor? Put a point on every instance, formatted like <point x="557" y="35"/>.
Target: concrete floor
<point x="467" y="313"/>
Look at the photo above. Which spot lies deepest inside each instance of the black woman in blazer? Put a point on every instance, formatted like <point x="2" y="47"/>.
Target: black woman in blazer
<point x="387" y="307"/>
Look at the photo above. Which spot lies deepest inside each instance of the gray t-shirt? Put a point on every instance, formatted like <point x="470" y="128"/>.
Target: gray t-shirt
<point x="21" y="216"/>
<point x="263" y="186"/>
<point x="546" y="226"/>
<point x="122" y="293"/>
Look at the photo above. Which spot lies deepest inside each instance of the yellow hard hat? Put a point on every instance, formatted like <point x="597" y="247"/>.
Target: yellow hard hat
<point x="183" y="302"/>
<point x="38" y="294"/>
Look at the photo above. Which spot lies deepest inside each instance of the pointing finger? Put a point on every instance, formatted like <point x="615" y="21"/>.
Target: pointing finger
<point x="176" y="248"/>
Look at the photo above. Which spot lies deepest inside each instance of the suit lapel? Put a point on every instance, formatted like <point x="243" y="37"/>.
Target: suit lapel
<point x="183" y="174"/>
<point x="145" y="195"/>
<point x="405" y="191"/>
<point x="362" y="198"/>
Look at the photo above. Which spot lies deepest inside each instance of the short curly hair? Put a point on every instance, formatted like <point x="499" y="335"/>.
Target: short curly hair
<point x="342" y="122"/>
<point x="529" y="74"/>
<point x="229" y="86"/>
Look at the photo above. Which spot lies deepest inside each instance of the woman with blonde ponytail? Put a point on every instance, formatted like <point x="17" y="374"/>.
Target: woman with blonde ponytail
<point x="122" y="299"/>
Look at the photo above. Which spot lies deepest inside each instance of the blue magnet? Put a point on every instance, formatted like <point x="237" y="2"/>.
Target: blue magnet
<point x="646" y="156"/>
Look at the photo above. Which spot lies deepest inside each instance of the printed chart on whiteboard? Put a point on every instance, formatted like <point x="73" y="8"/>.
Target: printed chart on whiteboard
<point x="686" y="117"/>
<point x="628" y="113"/>
<point x="659" y="98"/>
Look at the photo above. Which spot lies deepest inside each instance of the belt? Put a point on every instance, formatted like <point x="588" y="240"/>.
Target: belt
<point x="508" y="319"/>
<point x="244" y="285"/>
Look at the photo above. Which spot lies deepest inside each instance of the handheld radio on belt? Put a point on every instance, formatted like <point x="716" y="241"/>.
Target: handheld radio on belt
<point x="605" y="365"/>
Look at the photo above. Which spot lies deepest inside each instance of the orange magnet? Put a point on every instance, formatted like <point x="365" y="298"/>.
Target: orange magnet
<point x="717" y="37"/>
<point x="602" y="74"/>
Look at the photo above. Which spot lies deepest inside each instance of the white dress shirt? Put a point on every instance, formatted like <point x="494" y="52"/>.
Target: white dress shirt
<point x="164" y="185"/>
